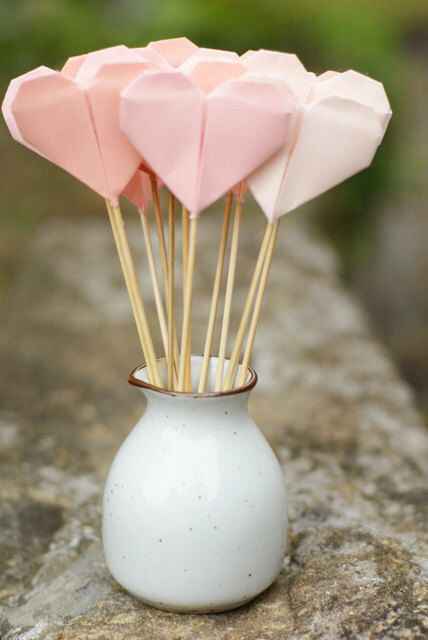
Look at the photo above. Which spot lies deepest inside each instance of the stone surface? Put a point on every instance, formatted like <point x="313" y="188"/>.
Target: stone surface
<point x="392" y="280"/>
<point x="344" y="426"/>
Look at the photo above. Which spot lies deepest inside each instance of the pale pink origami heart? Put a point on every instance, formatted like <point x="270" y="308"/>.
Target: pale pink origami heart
<point x="211" y="55"/>
<point x="174" y="51"/>
<point x="342" y="121"/>
<point x="284" y="67"/>
<point x="209" y="68"/>
<point x="139" y="189"/>
<point x="168" y="53"/>
<point x="72" y="117"/>
<point x="203" y="144"/>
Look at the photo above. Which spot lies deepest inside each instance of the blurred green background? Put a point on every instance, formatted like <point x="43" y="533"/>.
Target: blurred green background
<point x="377" y="220"/>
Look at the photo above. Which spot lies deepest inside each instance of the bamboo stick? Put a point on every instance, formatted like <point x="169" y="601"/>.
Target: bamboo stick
<point x="185" y="342"/>
<point x="236" y="353"/>
<point x="163" y="255"/>
<point x="228" y="295"/>
<point x="171" y="289"/>
<point x="185" y="248"/>
<point x="188" y="372"/>
<point x="160" y="231"/>
<point x="137" y="304"/>
<point x="215" y="294"/>
<point x="155" y="283"/>
<point x="185" y="259"/>
<point x="257" y="306"/>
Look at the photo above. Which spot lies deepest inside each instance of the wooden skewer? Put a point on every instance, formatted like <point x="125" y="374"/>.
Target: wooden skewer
<point x="162" y="251"/>
<point x="257" y="306"/>
<point x="185" y="246"/>
<point x="185" y="258"/>
<point x="228" y="295"/>
<point x="171" y="289"/>
<point x="161" y="236"/>
<point x="215" y="294"/>
<point x="188" y="372"/>
<point x="163" y="257"/>
<point x="128" y="269"/>
<point x="236" y="353"/>
<point x="152" y="268"/>
<point x="185" y="343"/>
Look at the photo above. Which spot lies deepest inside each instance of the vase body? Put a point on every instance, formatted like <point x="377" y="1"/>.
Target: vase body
<point x="194" y="511"/>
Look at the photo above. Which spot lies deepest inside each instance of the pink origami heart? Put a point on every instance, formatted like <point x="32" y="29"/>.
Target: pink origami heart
<point x="174" y="51"/>
<point x="209" y="68"/>
<point x="211" y="55"/>
<point x="342" y="120"/>
<point x="71" y="117"/>
<point x="284" y="67"/>
<point x="201" y="145"/>
<point x="49" y="114"/>
<point x="139" y="189"/>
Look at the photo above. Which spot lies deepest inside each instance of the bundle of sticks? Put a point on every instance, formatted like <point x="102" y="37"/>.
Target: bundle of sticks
<point x="177" y="350"/>
<point x="203" y="124"/>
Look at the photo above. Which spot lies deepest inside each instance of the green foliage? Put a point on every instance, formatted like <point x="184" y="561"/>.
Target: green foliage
<point x="338" y="34"/>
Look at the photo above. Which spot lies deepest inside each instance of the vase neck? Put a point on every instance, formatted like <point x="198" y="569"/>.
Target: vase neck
<point x="218" y="406"/>
<point x="139" y="377"/>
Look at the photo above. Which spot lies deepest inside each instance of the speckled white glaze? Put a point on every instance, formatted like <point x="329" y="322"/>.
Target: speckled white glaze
<point x="194" y="513"/>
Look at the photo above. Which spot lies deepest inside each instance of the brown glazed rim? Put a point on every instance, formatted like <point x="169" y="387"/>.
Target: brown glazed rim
<point x="136" y="382"/>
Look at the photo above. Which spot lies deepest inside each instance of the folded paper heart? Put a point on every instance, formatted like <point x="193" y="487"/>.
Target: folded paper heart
<point x="284" y="67"/>
<point x="341" y="122"/>
<point x="210" y="55"/>
<point x="203" y="141"/>
<point x="209" y="68"/>
<point x="71" y="117"/>
<point x="174" y="51"/>
<point x="139" y="190"/>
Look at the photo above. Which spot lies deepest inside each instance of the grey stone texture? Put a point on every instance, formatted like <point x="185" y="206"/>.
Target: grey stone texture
<point x="344" y="426"/>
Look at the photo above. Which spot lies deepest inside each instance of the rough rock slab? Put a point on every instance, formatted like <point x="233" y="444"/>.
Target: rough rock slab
<point x="344" y="426"/>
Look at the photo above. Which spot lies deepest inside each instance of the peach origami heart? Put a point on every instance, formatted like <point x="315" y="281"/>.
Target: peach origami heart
<point x="209" y="68"/>
<point x="202" y="144"/>
<point x="72" y="117"/>
<point x="139" y="189"/>
<point x="342" y="120"/>
<point x="168" y="53"/>
<point x="174" y="51"/>
<point x="211" y="55"/>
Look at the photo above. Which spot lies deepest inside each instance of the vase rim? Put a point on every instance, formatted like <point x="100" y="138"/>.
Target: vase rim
<point x="142" y="384"/>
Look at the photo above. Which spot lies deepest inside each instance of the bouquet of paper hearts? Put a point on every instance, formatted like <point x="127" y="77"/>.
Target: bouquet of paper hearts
<point x="200" y="124"/>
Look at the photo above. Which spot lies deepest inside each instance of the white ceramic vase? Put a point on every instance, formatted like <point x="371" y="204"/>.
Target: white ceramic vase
<point x="194" y="513"/>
